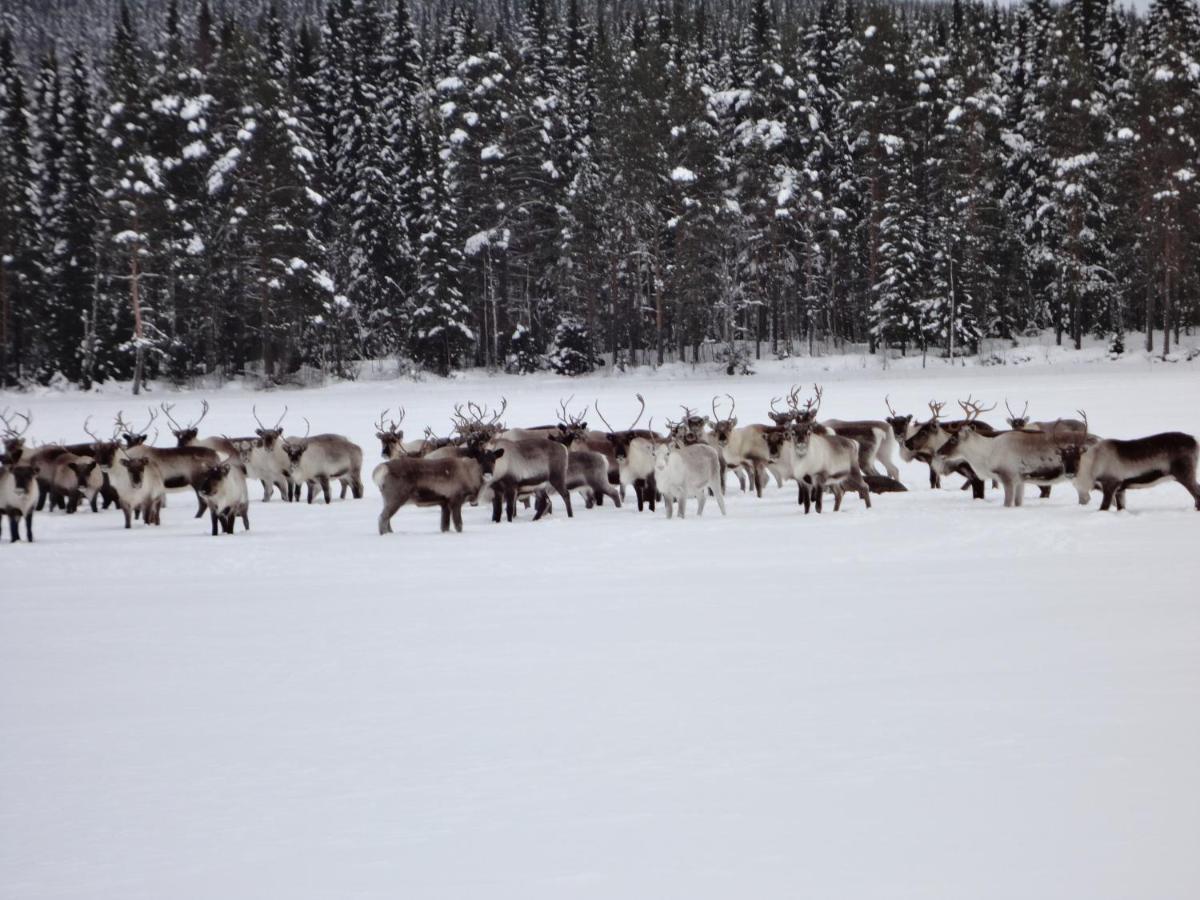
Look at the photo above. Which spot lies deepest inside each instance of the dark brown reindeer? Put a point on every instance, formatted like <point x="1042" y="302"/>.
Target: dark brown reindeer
<point x="447" y="483"/>
<point x="188" y="435"/>
<point x="527" y="466"/>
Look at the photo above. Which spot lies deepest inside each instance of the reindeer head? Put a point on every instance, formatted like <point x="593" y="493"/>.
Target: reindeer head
<point x="807" y="414"/>
<point x="104" y="452"/>
<point x="1071" y="451"/>
<point x="294" y="447"/>
<point x="1015" y="422"/>
<point x="137" y="469"/>
<point x="486" y="459"/>
<point x="134" y="438"/>
<point x="185" y="435"/>
<point x="927" y="431"/>
<point x="570" y="428"/>
<point x="775" y="439"/>
<point x="965" y="429"/>
<point x="898" y="422"/>
<point x="83" y="470"/>
<point x="391" y="438"/>
<point x="24" y="478"/>
<point x="268" y="436"/>
<point x="14" y="440"/>
<point x="213" y="476"/>
<point x="722" y="428"/>
<point x="802" y="433"/>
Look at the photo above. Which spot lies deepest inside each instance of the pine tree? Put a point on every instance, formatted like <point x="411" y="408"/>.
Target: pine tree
<point x="20" y="271"/>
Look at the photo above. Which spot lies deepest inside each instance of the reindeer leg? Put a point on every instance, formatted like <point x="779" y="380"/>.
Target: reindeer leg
<point x="1121" y="499"/>
<point x="227" y="521"/>
<point x="652" y="487"/>
<point x="510" y="502"/>
<point x="615" y="496"/>
<point x="323" y="480"/>
<point x="497" y="503"/>
<point x="29" y="526"/>
<point x="701" y="500"/>
<point x="212" y="513"/>
<point x="456" y="513"/>
<point x="1044" y="491"/>
<point x="125" y="508"/>
<point x="202" y="505"/>
<point x="14" y="527"/>
<point x="245" y="518"/>
<point x="838" y="494"/>
<point x="560" y="485"/>
<point x="445" y="516"/>
<point x="1019" y="489"/>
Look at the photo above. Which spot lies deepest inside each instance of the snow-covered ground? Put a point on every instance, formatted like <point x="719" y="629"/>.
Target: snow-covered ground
<point x="935" y="698"/>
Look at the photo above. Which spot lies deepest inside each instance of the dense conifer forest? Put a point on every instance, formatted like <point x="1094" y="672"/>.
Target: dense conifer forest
<point x="196" y="189"/>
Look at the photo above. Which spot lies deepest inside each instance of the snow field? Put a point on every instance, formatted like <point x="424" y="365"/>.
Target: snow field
<point x="933" y="698"/>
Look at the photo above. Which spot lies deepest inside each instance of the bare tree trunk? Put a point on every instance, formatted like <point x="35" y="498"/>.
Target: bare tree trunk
<point x="135" y="301"/>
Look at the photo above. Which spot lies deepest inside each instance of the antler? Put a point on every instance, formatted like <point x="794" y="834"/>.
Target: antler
<point x="1083" y="415"/>
<point x="818" y="392"/>
<point x="150" y="421"/>
<point x="166" y="408"/>
<point x="8" y="426"/>
<point x="936" y="409"/>
<point x="888" y="402"/>
<point x="307" y="428"/>
<point x="1012" y="415"/>
<point x="972" y="409"/>
<point x="596" y="406"/>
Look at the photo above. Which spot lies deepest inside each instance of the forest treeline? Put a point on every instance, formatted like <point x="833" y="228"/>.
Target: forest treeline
<point x="193" y="190"/>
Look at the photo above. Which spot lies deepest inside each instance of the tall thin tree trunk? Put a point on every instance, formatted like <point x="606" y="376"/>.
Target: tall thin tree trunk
<point x="139" y="353"/>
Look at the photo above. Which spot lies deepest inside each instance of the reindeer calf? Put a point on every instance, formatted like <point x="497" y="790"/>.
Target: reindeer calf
<point x="224" y="490"/>
<point x="691" y="470"/>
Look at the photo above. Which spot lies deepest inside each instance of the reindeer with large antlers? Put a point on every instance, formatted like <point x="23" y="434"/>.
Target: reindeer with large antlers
<point x="816" y="457"/>
<point x="745" y="448"/>
<point x="316" y="459"/>
<point x="632" y="450"/>
<point x="263" y="458"/>
<point x="1022" y="423"/>
<point x="1011" y="457"/>
<point x="181" y="468"/>
<point x="925" y="439"/>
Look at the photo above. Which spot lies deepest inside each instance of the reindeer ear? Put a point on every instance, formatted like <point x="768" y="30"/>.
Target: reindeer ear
<point x="496" y="454"/>
<point x="583" y="425"/>
<point x="733" y="420"/>
<point x="224" y="468"/>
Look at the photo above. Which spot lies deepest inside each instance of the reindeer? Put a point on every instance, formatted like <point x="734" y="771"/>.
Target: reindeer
<point x="181" y="467"/>
<point x="74" y="478"/>
<point x="746" y="447"/>
<point x="224" y="490"/>
<point x="903" y="427"/>
<point x="876" y="441"/>
<point x="927" y="437"/>
<point x="633" y="451"/>
<point x="315" y="459"/>
<point x="447" y="483"/>
<point x="717" y="426"/>
<point x="818" y="459"/>
<point x="684" y="468"/>
<point x="138" y="484"/>
<point x="18" y="495"/>
<point x="391" y="437"/>
<point x="532" y="465"/>
<point x="1011" y="457"/>
<point x="264" y="459"/>
<point x="1022" y="423"/>
<point x="1116" y="466"/>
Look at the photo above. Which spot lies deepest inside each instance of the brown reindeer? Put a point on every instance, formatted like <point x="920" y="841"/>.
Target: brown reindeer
<point x="447" y="483"/>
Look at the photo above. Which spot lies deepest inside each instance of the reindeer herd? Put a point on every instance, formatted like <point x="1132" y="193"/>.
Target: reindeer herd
<point x="483" y="460"/>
